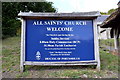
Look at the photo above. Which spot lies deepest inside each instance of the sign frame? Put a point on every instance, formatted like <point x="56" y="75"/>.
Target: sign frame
<point x="25" y="16"/>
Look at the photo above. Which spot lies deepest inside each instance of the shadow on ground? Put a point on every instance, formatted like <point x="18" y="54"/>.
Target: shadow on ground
<point x="58" y="67"/>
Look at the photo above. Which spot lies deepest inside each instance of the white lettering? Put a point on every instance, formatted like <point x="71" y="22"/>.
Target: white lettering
<point x="59" y="28"/>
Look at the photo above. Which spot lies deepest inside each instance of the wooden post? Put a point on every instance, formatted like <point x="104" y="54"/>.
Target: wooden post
<point x="115" y="41"/>
<point x="96" y="45"/>
<point x="22" y="46"/>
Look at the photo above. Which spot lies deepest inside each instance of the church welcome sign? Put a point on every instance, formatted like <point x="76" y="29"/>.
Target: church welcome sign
<point x="59" y="39"/>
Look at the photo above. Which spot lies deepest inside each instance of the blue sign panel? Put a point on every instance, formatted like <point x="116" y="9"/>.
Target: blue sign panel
<point x="59" y="40"/>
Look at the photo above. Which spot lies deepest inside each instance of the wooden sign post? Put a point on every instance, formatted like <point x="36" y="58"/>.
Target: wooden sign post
<point x="57" y="39"/>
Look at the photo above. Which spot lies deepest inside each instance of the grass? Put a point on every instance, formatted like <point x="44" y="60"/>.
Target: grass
<point x="11" y="62"/>
<point x="109" y="42"/>
<point x="11" y="56"/>
<point x="110" y="60"/>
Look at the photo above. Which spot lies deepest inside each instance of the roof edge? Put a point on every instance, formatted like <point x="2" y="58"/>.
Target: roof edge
<point x="74" y="14"/>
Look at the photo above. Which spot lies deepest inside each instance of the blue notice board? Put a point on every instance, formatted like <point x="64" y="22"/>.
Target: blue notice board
<point x="59" y="40"/>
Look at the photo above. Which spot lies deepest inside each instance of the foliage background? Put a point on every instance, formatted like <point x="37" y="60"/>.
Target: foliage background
<point x="10" y="10"/>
